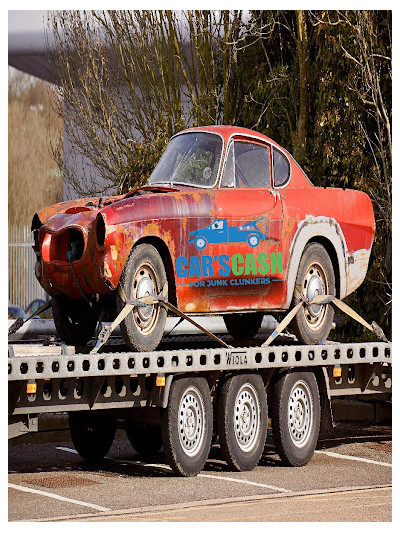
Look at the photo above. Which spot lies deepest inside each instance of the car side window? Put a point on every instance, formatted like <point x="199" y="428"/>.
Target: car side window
<point x="228" y="177"/>
<point x="252" y="165"/>
<point x="281" y="169"/>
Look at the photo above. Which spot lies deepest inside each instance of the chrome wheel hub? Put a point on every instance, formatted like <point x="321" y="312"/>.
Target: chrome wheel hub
<point x="145" y="288"/>
<point x="315" y="284"/>
<point x="247" y="417"/>
<point x="315" y="287"/>
<point x="145" y="284"/>
<point x="191" y="421"/>
<point x="300" y="414"/>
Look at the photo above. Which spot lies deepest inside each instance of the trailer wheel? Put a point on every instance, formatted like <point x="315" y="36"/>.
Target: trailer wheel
<point x="146" y="440"/>
<point x="243" y="326"/>
<point x="295" y="417"/>
<point x="313" y="323"/>
<point x="143" y="275"/>
<point x="187" y="425"/>
<point x="242" y="420"/>
<point x="92" y="434"/>
<point x="74" y="320"/>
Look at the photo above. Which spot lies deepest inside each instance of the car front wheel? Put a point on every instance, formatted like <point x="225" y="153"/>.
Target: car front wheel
<point x="143" y="275"/>
<point x="200" y="243"/>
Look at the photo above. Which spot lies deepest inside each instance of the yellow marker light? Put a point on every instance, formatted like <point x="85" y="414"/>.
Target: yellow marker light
<point x="31" y="388"/>
<point x="160" y="381"/>
<point x="337" y="372"/>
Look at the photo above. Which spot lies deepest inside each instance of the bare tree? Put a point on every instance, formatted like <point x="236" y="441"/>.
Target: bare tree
<point x="140" y="75"/>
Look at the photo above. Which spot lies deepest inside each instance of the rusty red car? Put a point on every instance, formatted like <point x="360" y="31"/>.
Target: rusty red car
<point x="228" y="222"/>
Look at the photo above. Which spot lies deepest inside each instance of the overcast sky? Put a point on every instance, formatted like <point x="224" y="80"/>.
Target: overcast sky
<point x="27" y="20"/>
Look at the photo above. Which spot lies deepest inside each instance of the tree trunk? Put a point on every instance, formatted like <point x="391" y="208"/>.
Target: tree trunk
<point x="302" y="50"/>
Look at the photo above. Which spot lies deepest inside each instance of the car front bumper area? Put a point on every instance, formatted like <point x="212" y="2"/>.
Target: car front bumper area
<point x="68" y="247"/>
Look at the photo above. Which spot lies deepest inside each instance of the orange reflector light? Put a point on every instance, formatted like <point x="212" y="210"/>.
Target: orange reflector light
<point x="31" y="388"/>
<point x="160" y="381"/>
<point x="337" y="372"/>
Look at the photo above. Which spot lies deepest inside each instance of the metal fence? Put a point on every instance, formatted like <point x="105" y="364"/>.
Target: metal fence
<point x="23" y="287"/>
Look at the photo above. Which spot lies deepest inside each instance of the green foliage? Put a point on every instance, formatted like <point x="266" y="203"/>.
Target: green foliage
<point x="348" y="137"/>
<point x="141" y="157"/>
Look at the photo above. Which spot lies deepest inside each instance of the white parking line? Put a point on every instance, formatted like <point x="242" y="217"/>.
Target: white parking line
<point x="167" y="468"/>
<point x="57" y="497"/>
<point x="352" y="458"/>
<point x="246" y="482"/>
<point x="63" y="449"/>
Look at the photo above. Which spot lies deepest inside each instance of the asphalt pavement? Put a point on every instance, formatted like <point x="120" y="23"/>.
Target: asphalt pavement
<point x="348" y="479"/>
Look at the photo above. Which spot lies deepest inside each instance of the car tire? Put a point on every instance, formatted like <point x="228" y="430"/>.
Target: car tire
<point x="92" y="434"/>
<point x="242" y="421"/>
<point x="75" y="320"/>
<point x="187" y="425"/>
<point x="315" y="275"/>
<point x="143" y="275"/>
<point x="295" y="416"/>
<point x="243" y="326"/>
<point x="146" y="440"/>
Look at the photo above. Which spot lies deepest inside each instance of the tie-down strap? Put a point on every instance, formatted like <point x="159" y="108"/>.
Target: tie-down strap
<point x="160" y="299"/>
<point x="324" y="299"/>
<point x="15" y="326"/>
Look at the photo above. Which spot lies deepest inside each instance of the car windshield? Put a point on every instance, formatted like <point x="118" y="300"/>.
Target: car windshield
<point x="190" y="159"/>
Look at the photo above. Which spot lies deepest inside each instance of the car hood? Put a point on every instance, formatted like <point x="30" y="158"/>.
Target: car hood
<point x="93" y="204"/>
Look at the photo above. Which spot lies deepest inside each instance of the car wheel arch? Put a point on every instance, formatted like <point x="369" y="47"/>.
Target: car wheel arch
<point x="329" y="234"/>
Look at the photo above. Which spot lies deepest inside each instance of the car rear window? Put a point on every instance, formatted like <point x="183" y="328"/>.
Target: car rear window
<point x="281" y="169"/>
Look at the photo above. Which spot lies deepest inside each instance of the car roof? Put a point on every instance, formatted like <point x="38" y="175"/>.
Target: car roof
<point x="227" y="131"/>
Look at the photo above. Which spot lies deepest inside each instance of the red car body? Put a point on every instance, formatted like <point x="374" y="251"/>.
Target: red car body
<point x="212" y="279"/>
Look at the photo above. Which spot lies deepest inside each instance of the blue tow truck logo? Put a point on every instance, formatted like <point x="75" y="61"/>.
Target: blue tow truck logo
<point x="219" y="232"/>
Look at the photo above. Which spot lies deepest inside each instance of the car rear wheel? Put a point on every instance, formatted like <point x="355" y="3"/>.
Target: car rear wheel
<point x="243" y="326"/>
<point x="315" y="276"/>
<point x="253" y="240"/>
<point x="75" y="320"/>
<point x="143" y="275"/>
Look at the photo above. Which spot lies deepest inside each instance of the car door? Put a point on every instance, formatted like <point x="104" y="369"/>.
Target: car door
<point x="250" y="258"/>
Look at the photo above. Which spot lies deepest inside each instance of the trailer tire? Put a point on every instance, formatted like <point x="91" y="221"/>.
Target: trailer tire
<point x="295" y="416"/>
<point x="187" y="425"/>
<point x="92" y="434"/>
<point x="74" y="320"/>
<point x="243" y="326"/>
<point x="143" y="275"/>
<point x="146" y="440"/>
<point x="242" y="420"/>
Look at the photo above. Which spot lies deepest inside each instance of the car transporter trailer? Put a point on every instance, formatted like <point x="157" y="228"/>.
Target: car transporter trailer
<point x="182" y="398"/>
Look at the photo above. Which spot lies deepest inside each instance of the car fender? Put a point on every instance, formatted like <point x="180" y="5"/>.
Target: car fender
<point x="308" y="229"/>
